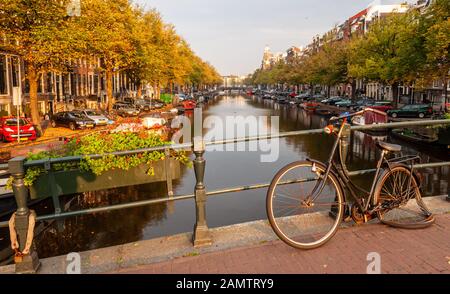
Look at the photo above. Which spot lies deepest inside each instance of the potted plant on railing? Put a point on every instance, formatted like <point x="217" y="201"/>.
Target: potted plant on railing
<point x="106" y="171"/>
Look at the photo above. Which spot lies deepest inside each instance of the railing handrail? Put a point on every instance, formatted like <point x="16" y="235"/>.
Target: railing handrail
<point x="190" y="196"/>
<point x="201" y="236"/>
<point x="97" y="156"/>
<point x="237" y="140"/>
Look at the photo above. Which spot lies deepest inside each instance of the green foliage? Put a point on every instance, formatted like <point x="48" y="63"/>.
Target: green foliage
<point x="392" y="50"/>
<point x="105" y="144"/>
<point x="436" y="27"/>
<point x="398" y="48"/>
<point x="116" y="35"/>
<point x="167" y="98"/>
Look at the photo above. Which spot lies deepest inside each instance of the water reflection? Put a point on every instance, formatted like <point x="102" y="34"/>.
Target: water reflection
<point x="223" y="169"/>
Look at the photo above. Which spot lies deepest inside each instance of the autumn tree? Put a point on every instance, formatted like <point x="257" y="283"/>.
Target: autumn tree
<point x="391" y="52"/>
<point x="107" y="29"/>
<point x="436" y="23"/>
<point x="42" y="34"/>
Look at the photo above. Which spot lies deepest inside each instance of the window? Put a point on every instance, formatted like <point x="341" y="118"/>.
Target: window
<point x="49" y="83"/>
<point x="15" y="67"/>
<point x="96" y="84"/>
<point x="3" y="75"/>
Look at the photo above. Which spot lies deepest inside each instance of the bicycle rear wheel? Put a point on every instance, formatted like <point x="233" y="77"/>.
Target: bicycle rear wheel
<point x="400" y="200"/>
<point x="295" y="217"/>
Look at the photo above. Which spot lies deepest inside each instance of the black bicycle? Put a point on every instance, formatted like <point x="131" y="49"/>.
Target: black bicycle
<point x="307" y="200"/>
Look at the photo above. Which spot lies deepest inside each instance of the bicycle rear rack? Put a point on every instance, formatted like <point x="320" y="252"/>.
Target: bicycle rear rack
<point x="411" y="159"/>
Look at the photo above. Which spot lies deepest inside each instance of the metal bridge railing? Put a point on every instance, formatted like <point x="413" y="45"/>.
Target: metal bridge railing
<point x="201" y="237"/>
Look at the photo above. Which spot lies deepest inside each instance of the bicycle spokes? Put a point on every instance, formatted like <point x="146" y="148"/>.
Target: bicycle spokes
<point x="400" y="201"/>
<point x="297" y="216"/>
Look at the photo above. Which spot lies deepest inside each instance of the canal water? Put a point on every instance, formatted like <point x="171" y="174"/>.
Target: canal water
<point x="223" y="169"/>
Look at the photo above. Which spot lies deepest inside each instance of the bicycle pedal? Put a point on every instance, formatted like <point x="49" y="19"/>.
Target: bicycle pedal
<point x="347" y="219"/>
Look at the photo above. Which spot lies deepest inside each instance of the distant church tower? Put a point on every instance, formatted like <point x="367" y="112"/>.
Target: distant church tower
<point x="267" y="58"/>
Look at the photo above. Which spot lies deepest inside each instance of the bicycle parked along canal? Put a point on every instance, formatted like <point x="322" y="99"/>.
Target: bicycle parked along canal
<point x="306" y="200"/>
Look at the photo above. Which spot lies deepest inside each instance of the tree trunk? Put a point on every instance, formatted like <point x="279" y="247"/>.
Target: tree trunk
<point x="446" y="93"/>
<point x="109" y="89"/>
<point x="328" y="91"/>
<point x="394" y="87"/>
<point x="157" y="91"/>
<point x="33" y="79"/>
<point x="353" y="95"/>
<point x="139" y="90"/>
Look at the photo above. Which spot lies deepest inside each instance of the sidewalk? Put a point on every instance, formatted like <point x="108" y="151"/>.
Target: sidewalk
<point x="401" y="251"/>
<point x="253" y="248"/>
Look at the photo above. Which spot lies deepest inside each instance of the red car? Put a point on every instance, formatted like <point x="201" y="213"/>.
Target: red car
<point x="382" y="106"/>
<point x="189" y="104"/>
<point x="8" y="129"/>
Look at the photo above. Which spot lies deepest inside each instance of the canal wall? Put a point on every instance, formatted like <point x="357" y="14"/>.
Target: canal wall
<point x="141" y="253"/>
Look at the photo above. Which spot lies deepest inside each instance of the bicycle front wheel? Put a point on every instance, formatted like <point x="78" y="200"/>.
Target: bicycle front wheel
<point x="295" y="216"/>
<point x="400" y="201"/>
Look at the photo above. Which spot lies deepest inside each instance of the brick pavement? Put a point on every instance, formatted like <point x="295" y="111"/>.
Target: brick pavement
<point x="402" y="252"/>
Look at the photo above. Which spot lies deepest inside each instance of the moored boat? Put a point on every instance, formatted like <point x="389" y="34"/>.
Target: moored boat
<point x="414" y="137"/>
<point x="371" y="118"/>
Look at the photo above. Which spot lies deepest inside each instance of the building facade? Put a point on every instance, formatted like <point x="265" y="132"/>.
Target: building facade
<point x="82" y="86"/>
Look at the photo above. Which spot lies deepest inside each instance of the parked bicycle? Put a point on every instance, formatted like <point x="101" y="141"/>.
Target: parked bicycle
<point x="306" y="200"/>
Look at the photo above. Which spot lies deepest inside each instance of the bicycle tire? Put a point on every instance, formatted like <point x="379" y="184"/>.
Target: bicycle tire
<point x="338" y="216"/>
<point x="406" y="208"/>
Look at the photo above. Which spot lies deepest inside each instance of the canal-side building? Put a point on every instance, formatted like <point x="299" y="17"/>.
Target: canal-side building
<point x="82" y="85"/>
<point x="360" y="24"/>
<point x="233" y="81"/>
<point x="267" y="58"/>
<point x="9" y="77"/>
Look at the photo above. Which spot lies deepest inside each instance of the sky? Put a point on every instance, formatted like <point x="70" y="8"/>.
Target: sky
<point x="232" y="34"/>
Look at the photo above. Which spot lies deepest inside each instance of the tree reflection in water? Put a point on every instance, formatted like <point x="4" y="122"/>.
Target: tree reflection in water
<point x="131" y="225"/>
<point x="86" y="232"/>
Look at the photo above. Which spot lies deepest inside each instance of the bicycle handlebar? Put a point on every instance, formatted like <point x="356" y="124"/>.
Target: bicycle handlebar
<point x="357" y="113"/>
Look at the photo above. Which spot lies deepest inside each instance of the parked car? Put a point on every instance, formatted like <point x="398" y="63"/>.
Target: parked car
<point x="73" y="120"/>
<point x="125" y="110"/>
<point x="345" y="103"/>
<point x="97" y="117"/>
<point x="9" y="131"/>
<point x="129" y="101"/>
<point x="181" y="97"/>
<point x="362" y="103"/>
<point x="142" y="105"/>
<point x="157" y="104"/>
<point x="412" y="110"/>
<point x="381" y="105"/>
<point x="189" y="104"/>
<point x="331" y="100"/>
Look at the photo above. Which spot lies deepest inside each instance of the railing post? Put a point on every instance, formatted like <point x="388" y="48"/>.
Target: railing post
<point x="29" y="263"/>
<point x="168" y="168"/>
<point x="201" y="235"/>
<point x="448" y="186"/>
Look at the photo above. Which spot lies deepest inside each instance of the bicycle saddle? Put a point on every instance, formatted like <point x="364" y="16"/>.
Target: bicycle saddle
<point x="389" y="147"/>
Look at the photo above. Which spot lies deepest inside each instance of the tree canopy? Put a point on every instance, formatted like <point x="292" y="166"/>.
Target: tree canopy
<point x="398" y="48"/>
<point x="123" y="36"/>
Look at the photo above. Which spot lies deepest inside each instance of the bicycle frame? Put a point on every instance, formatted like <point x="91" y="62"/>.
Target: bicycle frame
<point x="342" y="172"/>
